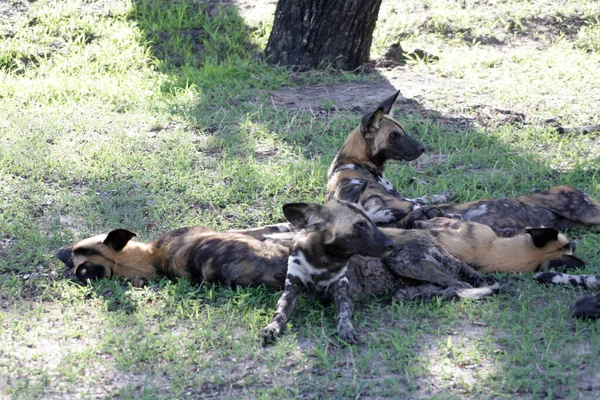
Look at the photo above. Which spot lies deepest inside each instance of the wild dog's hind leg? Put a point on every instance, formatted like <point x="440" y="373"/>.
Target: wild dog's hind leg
<point x="569" y="203"/>
<point x="425" y="263"/>
<point x="344" y="311"/>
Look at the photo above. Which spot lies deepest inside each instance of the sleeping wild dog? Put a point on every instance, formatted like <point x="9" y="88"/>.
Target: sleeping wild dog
<point x="585" y="307"/>
<point x="312" y="260"/>
<point x="535" y="249"/>
<point x="356" y="174"/>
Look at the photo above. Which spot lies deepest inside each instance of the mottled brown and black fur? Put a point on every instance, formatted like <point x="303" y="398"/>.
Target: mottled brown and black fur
<point x="233" y="258"/>
<point x="535" y="249"/>
<point x="356" y="174"/>
<point x="419" y="256"/>
<point x="317" y="265"/>
<point x="311" y="258"/>
<point x="560" y="207"/>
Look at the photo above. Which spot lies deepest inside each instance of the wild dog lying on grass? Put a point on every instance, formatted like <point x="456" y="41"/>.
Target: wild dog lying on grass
<point x="585" y="307"/>
<point x="313" y="259"/>
<point x="560" y="207"/>
<point x="478" y="245"/>
<point x="251" y="257"/>
<point x="356" y="174"/>
<point x="234" y="258"/>
<point x="318" y="261"/>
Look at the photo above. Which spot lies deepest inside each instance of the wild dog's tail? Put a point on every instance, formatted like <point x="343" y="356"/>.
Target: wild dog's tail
<point x="428" y="292"/>
<point x="479" y="293"/>
<point x="558" y="278"/>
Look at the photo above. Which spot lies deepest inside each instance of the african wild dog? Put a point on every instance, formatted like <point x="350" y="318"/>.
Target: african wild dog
<point x="316" y="256"/>
<point x="560" y="207"/>
<point x="478" y="245"/>
<point x="250" y="257"/>
<point x="585" y="307"/>
<point x="330" y="236"/>
<point x="234" y="258"/>
<point x="356" y="174"/>
<point x="419" y="256"/>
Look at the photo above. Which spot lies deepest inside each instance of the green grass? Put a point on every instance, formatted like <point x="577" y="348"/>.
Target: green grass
<point x="155" y="115"/>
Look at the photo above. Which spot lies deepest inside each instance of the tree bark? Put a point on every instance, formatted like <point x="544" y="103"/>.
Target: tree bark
<point x="322" y="33"/>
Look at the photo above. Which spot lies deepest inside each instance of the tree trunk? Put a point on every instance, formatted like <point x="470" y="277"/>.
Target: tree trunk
<point x="322" y="33"/>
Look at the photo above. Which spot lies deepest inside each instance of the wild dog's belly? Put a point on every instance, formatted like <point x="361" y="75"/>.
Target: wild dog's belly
<point x="235" y="261"/>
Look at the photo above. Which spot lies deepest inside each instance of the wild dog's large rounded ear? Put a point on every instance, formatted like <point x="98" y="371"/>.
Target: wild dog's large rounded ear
<point x="369" y="124"/>
<point x="118" y="238"/>
<point x="388" y="103"/>
<point x="309" y="216"/>
<point x="564" y="263"/>
<point x="542" y="236"/>
<point x="66" y="256"/>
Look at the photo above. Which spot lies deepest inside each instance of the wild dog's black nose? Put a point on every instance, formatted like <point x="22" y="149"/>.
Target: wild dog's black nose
<point x="389" y="244"/>
<point x="572" y="243"/>
<point x="421" y="149"/>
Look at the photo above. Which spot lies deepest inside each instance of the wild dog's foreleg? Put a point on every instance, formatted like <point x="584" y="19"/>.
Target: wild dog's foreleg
<point x="386" y="209"/>
<point x="341" y="297"/>
<point x="285" y="305"/>
<point x="419" y="217"/>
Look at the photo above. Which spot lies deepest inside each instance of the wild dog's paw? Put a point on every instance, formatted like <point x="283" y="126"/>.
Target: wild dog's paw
<point x="587" y="307"/>
<point x="433" y="212"/>
<point x="347" y="333"/>
<point x="546" y="278"/>
<point x="270" y="333"/>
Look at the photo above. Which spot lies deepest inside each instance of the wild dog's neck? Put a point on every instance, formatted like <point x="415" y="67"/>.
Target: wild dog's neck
<point x="138" y="259"/>
<point x="317" y="254"/>
<point x="357" y="150"/>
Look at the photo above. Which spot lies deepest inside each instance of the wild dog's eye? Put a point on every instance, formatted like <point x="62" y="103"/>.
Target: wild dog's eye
<point x="393" y="135"/>
<point x="360" y="226"/>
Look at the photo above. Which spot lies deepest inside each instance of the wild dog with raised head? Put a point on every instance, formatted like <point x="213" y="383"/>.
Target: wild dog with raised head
<point x="356" y="174"/>
<point x="330" y="236"/>
<point x="560" y="207"/>
<point x="585" y="307"/>
<point x="478" y="245"/>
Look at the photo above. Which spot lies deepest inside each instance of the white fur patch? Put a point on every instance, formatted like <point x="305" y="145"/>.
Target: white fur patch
<point x="304" y="271"/>
<point x="378" y="215"/>
<point x="385" y="183"/>
<point x="346" y="166"/>
<point x="340" y="275"/>
<point x="476" y="212"/>
<point x="356" y="182"/>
